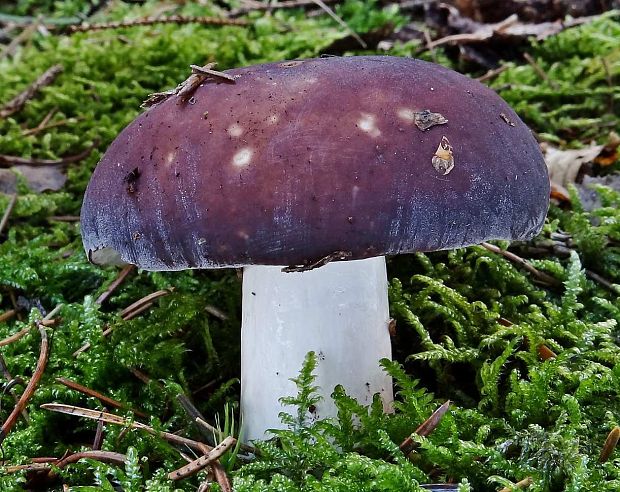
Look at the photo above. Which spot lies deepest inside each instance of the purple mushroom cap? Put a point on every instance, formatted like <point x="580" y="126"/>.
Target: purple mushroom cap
<point x="369" y="155"/>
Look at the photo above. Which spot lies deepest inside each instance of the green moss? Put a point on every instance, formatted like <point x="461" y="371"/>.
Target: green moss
<point x="578" y="100"/>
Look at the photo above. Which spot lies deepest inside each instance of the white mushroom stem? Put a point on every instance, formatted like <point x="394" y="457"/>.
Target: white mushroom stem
<point x="339" y="311"/>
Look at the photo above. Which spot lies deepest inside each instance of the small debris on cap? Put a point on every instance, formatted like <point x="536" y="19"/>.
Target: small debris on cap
<point x="427" y="119"/>
<point x="506" y="119"/>
<point x="443" y="160"/>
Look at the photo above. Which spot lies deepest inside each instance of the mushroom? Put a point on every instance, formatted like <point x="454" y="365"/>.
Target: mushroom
<point x="326" y="165"/>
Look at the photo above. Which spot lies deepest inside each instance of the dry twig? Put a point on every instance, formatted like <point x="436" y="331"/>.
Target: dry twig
<point x="140" y="305"/>
<point x="336" y="255"/>
<point x="542" y="276"/>
<point x="28" y="468"/>
<point x="603" y="281"/>
<point x="521" y="484"/>
<point x="11" y="160"/>
<point x="98" y="435"/>
<point x="44" y="121"/>
<point x="32" y="384"/>
<point x="269" y="6"/>
<point x="217" y="312"/>
<point x="203" y="424"/>
<point x="25" y="35"/>
<point x="103" y="456"/>
<point x="14" y="337"/>
<point x="342" y="23"/>
<point x="140" y="375"/>
<point x="210" y="433"/>
<point x="491" y="74"/>
<point x="110" y="418"/>
<point x="425" y="428"/>
<point x="64" y="218"/>
<point x="42" y="127"/>
<point x="485" y="32"/>
<point x="220" y="477"/>
<point x="220" y="435"/>
<point x="211" y="73"/>
<point x="118" y="281"/>
<point x="149" y="21"/>
<point x="8" y="211"/>
<point x="204" y="461"/>
<point x="106" y="400"/>
<point x="45" y="464"/>
<point x="545" y="353"/>
<point x="9" y="378"/>
<point x="541" y="73"/>
<point x="610" y="444"/>
<point x="20" y="334"/>
<point x="18" y="102"/>
<point x="86" y="346"/>
<point x="195" y="415"/>
<point x="7" y="315"/>
<point x="186" y="89"/>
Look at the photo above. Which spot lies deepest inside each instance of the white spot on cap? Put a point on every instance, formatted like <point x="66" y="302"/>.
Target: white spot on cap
<point x="368" y="125"/>
<point x="235" y="130"/>
<point x="273" y="119"/>
<point x="243" y="157"/>
<point x="170" y="156"/>
<point x="406" y="114"/>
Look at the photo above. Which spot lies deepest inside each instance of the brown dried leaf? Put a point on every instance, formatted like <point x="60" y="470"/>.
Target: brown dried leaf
<point x="545" y="353"/>
<point x="609" y="154"/>
<point x="528" y="10"/>
<point x="564" y="165"/>
<point x="610" y="444"/>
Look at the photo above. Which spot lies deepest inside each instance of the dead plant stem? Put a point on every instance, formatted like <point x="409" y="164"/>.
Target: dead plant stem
<point x="18" y="102"/>
<point x="32" y="384"/>
<point x="149" y="21"/>
<point x="7" y="213"/>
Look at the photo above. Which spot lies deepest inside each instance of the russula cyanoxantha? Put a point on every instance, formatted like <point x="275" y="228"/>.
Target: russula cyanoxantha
<point x="298" y="162"/>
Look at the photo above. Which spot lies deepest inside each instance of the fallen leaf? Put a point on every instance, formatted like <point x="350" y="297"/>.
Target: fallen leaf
<point x="8" y="181"/>
<point x="609" y="154"/>
<point x="564" y="165"/>
<point x="527" y="10"/>
<point x="487" y="43"/>
<point x="38" y="178"/>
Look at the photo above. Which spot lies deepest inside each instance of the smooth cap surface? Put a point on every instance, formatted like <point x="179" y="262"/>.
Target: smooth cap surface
<point x="298" y="160"/>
